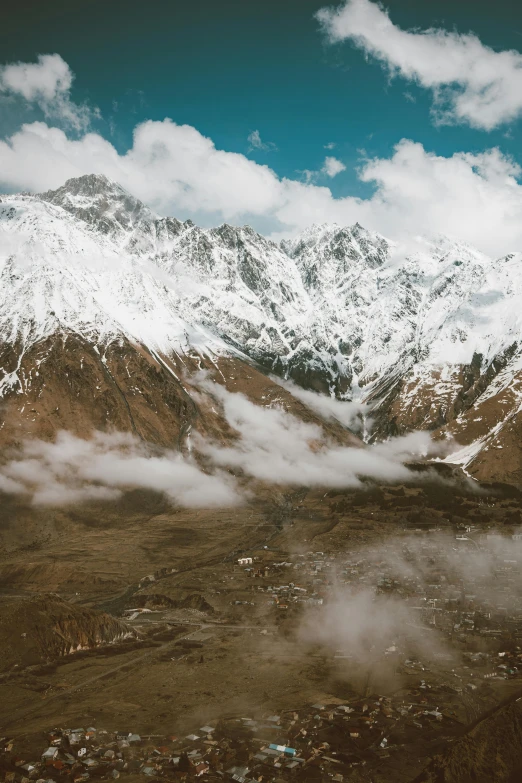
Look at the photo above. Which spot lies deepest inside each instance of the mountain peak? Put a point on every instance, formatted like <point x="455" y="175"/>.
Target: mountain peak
<point x="87" y="185"/>
<point x="101" y="202"/>
<point x="341" y="309"/>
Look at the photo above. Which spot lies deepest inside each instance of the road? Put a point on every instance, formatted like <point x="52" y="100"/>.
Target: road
<point x="91" y="680"/>
<point x="126" y="666"/>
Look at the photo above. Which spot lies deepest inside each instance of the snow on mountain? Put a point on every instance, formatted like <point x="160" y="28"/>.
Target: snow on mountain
<point x="58" y="275"/>
<point x="424" y="334"/>
<point x="396" y="318"/>
<point x="103" y="204"/>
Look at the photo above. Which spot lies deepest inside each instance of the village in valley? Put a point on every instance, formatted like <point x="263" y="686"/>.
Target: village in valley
<point x="418" y="683"/>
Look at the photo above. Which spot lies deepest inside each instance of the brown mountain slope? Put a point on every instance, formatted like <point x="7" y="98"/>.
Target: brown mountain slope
<point x="47" y="627"/>
<point x="490" y="753"/>
<point x="477" y="410"/>
<point x="67" y="383"/>
<point x="490" y="432"/>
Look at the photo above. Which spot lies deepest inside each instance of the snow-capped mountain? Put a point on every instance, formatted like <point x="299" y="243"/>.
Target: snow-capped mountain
<point x="429" y="335"/>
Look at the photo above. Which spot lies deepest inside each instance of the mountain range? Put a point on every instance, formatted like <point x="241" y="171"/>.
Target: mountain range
<point x="106" y="309"/>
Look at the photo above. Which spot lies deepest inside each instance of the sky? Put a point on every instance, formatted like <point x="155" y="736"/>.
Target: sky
<point x="405" y="117"/>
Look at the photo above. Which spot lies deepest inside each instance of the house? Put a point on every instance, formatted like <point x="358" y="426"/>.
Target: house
<point x="244" y="561"/>
<point x="49" y="755"/>
<point x="283" y="749"/>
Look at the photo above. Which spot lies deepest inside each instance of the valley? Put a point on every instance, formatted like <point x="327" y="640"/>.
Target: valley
<point x="213" y="640"/>
<point x="262" y="494"/>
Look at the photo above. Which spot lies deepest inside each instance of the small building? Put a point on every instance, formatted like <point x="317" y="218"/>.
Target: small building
<point x="244" y="561"/>
<point x="283" y="749"/>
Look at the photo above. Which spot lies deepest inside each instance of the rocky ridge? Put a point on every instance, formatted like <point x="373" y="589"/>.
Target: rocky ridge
<point x="47" y="627"/>
<point x="430" y="337"/>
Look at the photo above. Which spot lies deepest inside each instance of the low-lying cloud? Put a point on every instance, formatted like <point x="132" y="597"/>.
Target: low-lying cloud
<point x="74" y="470"/>
<point x="363" y="624"/>
<point x="432" y="575"/>
<point x="345" y="412"/>
<point x="275" y="446"/>
<point x="271" y="445"/>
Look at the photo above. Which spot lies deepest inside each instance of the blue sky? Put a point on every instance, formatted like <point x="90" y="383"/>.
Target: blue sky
<point x="230" y="68"/>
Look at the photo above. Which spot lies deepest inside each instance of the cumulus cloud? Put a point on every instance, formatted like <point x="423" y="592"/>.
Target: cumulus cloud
<point x="414" y="180"/>
<point x="471" y="83"/>
<point x="177" y="171"/>
<point x="277" y="447"/>
<point x="256" y="143"/>
<point x="474" y="197"/>
<point x="46" y="83"/>
<point x="332" y="167"/>
<point x="171" y="167"/>
<point x="73" y="470"/>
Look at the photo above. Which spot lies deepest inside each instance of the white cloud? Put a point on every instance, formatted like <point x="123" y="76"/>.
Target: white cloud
<point x="330" y="146"/>
<point x="276" y="447"/>
<point x="272" y="445"/>
<point x="177" y="171"/>
<point x="44" y="80"/>
<point x="332" y="167"/>
<point x="74" y="470"/>
<point x="474" y="197"/>
<point x="256" y="143"/>
<point x="362" y="621"/>
<point x="471" y="83"/>
<point x="345" y="412"/>
<point x="172" y="167"/>
<point x="46" y="83"/>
